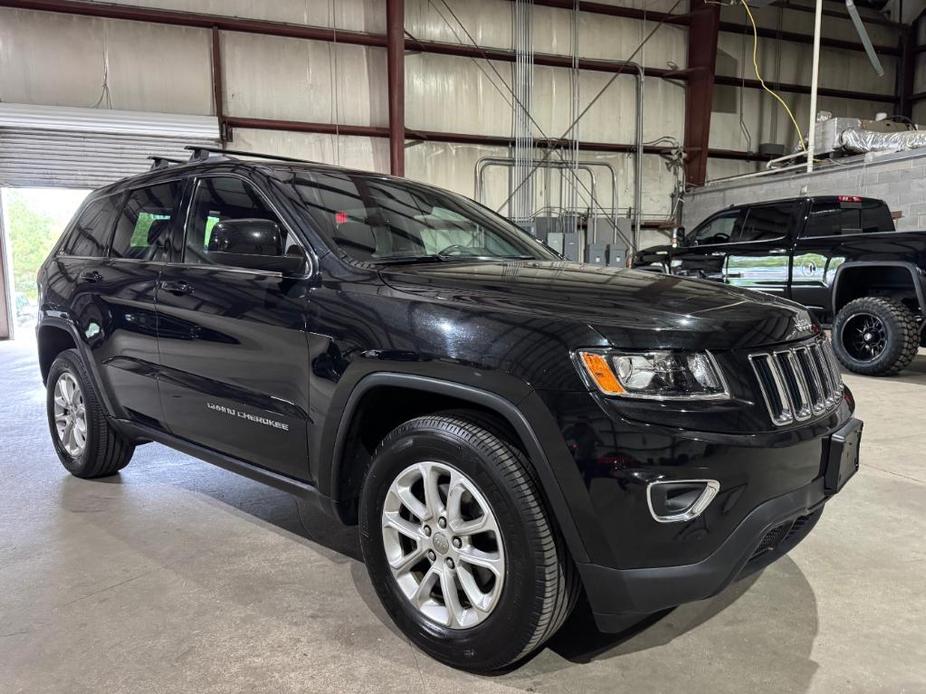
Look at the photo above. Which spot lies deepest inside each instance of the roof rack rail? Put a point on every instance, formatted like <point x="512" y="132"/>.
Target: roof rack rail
<point x="158" y="162"/>
<point x="202" y="153"/>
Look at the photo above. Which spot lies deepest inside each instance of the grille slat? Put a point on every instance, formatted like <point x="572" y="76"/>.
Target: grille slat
<point x="799" y="382"/>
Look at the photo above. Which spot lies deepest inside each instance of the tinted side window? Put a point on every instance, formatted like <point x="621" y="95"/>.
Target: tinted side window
<point x="826" y="219"/>
<point x="720" y="229"/>
<point x="218" y="199"/>
<point x="90" y="233"/>
<point x="767" y="222"/>
<point x="144" y="225"/>
<point x="848" y="217"/>
<point x="875" y="216"/>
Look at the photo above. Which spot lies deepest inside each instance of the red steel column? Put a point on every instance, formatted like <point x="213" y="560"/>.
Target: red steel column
<point x="395" y="61"/>
<point x="699" y="93"/>
<point x="218" y="92"/>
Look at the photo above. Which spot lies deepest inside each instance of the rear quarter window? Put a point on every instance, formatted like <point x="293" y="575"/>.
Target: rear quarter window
<point x="145" y="221"/>
<point x="89" y="235"/>
<point x="838" y="218"/>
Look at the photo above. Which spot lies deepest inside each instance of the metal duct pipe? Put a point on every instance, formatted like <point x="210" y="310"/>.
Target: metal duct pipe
<point x="485" y="162"/>
<point x="638" y="163"/>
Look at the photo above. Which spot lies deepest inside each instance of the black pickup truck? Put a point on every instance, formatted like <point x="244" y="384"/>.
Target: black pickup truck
<point x="840" y="256"/>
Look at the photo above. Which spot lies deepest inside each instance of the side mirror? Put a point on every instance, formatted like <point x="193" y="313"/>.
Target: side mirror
<point x="256" y="244"/>
<point x="678" y="235"/>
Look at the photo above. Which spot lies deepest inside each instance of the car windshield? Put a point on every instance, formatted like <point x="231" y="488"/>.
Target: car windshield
<point x="376" y="219"/>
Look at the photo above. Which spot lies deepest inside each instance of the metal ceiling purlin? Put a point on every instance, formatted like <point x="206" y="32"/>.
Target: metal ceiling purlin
<point x="219" y="23"/>
<point x="699" y="93"/>
<point x="197" y="19"/>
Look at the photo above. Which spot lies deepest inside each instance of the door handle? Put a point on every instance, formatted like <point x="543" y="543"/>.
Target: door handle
<point x="177" y="288"/>
<point x="90" y="276"/>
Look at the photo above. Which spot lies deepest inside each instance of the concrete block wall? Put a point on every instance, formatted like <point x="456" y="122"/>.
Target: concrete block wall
<point x="898" y="178"/>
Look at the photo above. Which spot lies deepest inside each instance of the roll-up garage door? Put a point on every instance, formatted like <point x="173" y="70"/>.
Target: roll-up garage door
<point x="83" y="148"/>
<point x="45" y="158"/>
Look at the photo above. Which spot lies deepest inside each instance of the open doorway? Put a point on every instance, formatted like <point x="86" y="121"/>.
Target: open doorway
<point x="33" y="219"/>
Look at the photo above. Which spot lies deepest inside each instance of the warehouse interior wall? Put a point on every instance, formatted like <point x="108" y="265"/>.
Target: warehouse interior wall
<point x="742" y="119"/>
<point x="57" y="59"/>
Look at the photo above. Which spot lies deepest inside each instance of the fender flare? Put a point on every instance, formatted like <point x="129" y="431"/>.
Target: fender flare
<point x="512" y="413"/>
<point x="66" y="324"/>
<point x="916" y="276"/>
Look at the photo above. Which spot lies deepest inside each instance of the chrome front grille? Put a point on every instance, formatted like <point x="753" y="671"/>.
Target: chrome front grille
<point x="798" y="382"/>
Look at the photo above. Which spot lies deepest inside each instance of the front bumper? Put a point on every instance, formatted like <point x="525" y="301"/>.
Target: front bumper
<point x="766" y="534"/>
<point x="772" y="487"/>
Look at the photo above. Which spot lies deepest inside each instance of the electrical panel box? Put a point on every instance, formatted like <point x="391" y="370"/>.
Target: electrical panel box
<point x="597" y="254"/>
<point x="571" y="247"/>
<point x="555" y="241"/>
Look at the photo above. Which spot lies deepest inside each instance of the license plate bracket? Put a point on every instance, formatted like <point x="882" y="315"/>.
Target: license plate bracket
<point x="842" y="456"/>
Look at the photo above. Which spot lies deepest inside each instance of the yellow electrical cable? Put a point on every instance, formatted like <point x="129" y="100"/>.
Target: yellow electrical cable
<point x="755" y="64"/>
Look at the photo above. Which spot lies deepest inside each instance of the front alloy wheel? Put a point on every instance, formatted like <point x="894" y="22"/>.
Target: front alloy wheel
<point x="458" y="543"/>
<point x="443" y="546"/>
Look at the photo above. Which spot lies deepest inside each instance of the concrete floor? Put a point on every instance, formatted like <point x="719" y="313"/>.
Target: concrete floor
<point x="178" y="576"/>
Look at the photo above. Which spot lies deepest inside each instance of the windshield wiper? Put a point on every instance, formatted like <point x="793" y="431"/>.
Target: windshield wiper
<point x="438" y="258"/>
<point x="457" y="256"/>
<point x="397" y="259"/>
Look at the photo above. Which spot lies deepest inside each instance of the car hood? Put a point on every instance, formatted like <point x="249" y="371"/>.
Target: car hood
<point x="631" y="309"/>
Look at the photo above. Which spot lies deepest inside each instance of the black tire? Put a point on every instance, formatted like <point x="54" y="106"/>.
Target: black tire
<point x="895" y="334"/>
<point x="105" y="451"/>
<point x="540" y="581"/>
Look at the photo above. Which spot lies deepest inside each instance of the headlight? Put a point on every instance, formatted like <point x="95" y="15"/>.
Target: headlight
<point x="658" y="375"/>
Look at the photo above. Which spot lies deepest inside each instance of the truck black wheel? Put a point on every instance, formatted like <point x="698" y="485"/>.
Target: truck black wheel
<point x="85" y="442"/>
<point x="459" y="546"/>
<point x="876" y="336"/>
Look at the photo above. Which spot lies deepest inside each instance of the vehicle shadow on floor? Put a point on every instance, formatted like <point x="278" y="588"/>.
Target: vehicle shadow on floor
<point x="253" y="501"/>
<point x="765" y="624"/>
<point x="579" y="641"/>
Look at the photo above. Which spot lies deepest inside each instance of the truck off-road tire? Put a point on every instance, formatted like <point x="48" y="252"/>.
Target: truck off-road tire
<point x="85" y="442"/>
<point x="459" y="546"/>
<point x="875" y="336"/>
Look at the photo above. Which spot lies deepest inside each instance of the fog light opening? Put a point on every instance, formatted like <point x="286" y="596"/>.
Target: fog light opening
<point x="677" y="501"/>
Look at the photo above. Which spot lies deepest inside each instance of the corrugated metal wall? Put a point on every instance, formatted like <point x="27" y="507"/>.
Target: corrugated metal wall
<point x="47" y="58"/>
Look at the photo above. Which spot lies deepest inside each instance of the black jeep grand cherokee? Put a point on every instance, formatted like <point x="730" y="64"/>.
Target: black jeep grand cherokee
<point x="507" y="428"/>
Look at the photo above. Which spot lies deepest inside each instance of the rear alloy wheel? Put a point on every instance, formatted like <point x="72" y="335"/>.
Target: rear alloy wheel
<point x="85" y="441"/>
<point x="70" y="415"/>
<point x="458" y="544"/>
<point x="876" y="336"/>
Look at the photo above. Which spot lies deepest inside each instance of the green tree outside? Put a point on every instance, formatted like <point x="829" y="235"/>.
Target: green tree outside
<point x="34" y="220"/>
<point x="31" y="234"/>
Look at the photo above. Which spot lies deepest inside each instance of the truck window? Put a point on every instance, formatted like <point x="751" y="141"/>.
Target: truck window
<point x="836" y="217"/>
<point x="767" y="222"/>
<point x="719" y="229"/>
<point x="90" y="233"/>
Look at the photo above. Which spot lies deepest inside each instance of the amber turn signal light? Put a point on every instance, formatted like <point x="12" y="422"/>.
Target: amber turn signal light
<point x="598" y="369"/>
